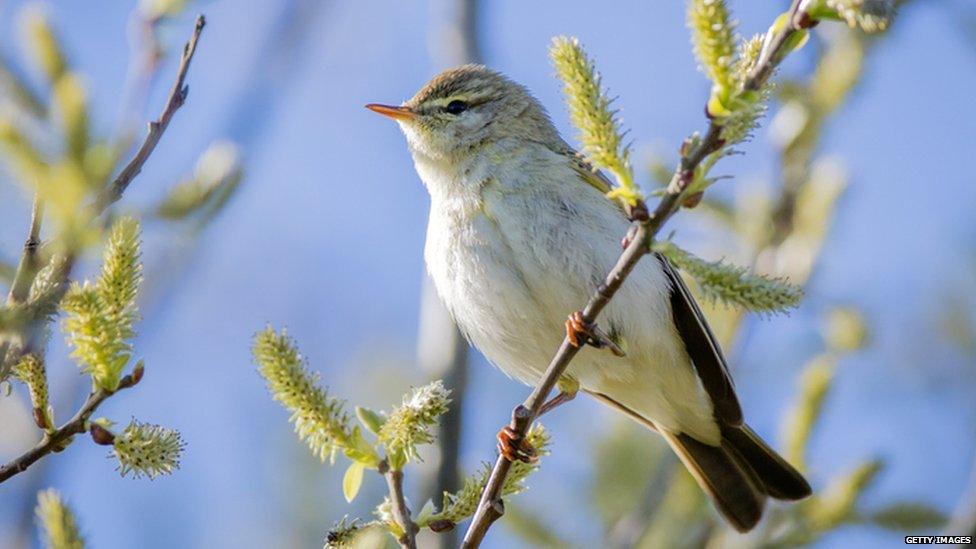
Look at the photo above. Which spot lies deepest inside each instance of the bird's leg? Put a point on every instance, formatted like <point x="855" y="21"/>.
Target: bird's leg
<point x="555" y="402"/>
<point x="580" y="332"/>
<point x="514" y="447"/>
<point x="568" y="387"/>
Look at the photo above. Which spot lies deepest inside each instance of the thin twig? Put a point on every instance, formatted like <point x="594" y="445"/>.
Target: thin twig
<point x="177" y="96"/>
<point x="27" y="269"/>
<point x="28" y="265"/>
<point x="398" y="505"/>
<point x="491" y="507"/>
<point x="56" y="440"/>
<point x="29" y="333"/>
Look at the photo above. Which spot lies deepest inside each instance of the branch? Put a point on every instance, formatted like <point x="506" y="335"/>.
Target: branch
<point x="61" y="437"/>
<point x="25" y="273"/>
<point x="27" y="267"/>
<point x="398" y="505"/>
<point x="644" y="228"/>
<point x="111" y="194"/>
<point x="177" y="96"/>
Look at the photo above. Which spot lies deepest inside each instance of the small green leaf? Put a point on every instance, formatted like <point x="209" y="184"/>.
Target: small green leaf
<point x="397" y="459"/>
<point x="797" y="40"/>
<point x="425" y="514"/>
<point x="352" y="480"/>
<point x="370" y="419"/>
<point x="360" y="450"/>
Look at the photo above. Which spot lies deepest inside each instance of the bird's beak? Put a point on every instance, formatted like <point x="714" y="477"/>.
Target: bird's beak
<point x="396" y="113"/>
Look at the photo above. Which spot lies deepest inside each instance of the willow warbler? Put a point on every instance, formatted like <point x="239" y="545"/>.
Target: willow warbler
<point x="520" y="234"/>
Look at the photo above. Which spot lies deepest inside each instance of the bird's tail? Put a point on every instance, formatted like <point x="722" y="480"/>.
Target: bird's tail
<point x="739" y="474"/>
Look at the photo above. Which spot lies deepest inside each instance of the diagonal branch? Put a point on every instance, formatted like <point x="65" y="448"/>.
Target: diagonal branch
<point x="58" y="439"/>
<point x="177" y="96"/>
<point x="30" y="332"/>
<point x="111" y="194"/>
<point x="645" y="227"/>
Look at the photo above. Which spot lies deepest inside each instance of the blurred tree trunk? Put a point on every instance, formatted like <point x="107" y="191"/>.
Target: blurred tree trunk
<point x="442" y="351"/>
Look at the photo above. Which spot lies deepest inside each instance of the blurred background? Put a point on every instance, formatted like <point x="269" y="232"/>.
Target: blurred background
<point x="856" y="186"/>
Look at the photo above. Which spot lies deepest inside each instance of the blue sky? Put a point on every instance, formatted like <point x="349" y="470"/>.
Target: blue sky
<point x="326" y="237"/>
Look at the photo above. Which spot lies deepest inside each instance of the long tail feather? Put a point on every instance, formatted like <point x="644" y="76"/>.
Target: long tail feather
<point x="778" y="478"/>
<point x="727" y="482"/>
<point x="736" y="476"/>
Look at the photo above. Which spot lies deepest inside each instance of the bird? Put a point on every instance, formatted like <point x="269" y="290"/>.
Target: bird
<point x="520" y="233"/>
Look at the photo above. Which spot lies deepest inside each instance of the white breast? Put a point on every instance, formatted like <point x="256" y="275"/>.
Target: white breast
<point x="516" y="242"/>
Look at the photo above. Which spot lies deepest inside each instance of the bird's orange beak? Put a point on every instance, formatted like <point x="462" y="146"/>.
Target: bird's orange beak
<point x="396" y="113"/>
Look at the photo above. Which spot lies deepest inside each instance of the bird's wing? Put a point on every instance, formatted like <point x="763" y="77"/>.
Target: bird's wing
<point x="700" y="342"/>
<point x="594" y="178"/>
<point x="703" y="348"/>
<point x="586" y="171"/>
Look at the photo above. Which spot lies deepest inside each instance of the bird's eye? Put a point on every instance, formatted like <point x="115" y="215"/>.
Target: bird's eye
<point x="456" y="107"/>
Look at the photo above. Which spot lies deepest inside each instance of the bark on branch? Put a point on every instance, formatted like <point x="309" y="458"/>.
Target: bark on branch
<point x="58" y="439"/>
<point x="106" y="198"/>
<point x="177" y="96"/>
<point x="398" y="506"/>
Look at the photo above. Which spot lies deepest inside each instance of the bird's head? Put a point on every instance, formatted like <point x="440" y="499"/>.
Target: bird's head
<point x="464" y="109"/>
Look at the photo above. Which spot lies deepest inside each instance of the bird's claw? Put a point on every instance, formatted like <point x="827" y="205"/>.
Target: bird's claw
<point x="581" y="332"/>
<point x="514" y="447"/>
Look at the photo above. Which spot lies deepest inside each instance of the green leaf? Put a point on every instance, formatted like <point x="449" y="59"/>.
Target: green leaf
<point x="352" y="480"/>
<point x="425" y="514"/>
<point x="370" y="419"/>
<point x="359" y="449"/>
<point x="397" y="459"/>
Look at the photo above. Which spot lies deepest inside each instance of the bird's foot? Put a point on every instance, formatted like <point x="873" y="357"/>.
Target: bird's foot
<point x="581" y="332"/>
<point x="514" y="447"/>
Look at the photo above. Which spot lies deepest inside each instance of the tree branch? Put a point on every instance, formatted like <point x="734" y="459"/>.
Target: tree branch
<point x="27" y="267"/>
<point x="26" y="271"/>
<point x="644" y="228"/>
<point x="58" y="439"/>
<point x="29" y="332"/>
<point x="398" y="504"/>
<point x="111" y="194"/>
<point x="177" y="96"/>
